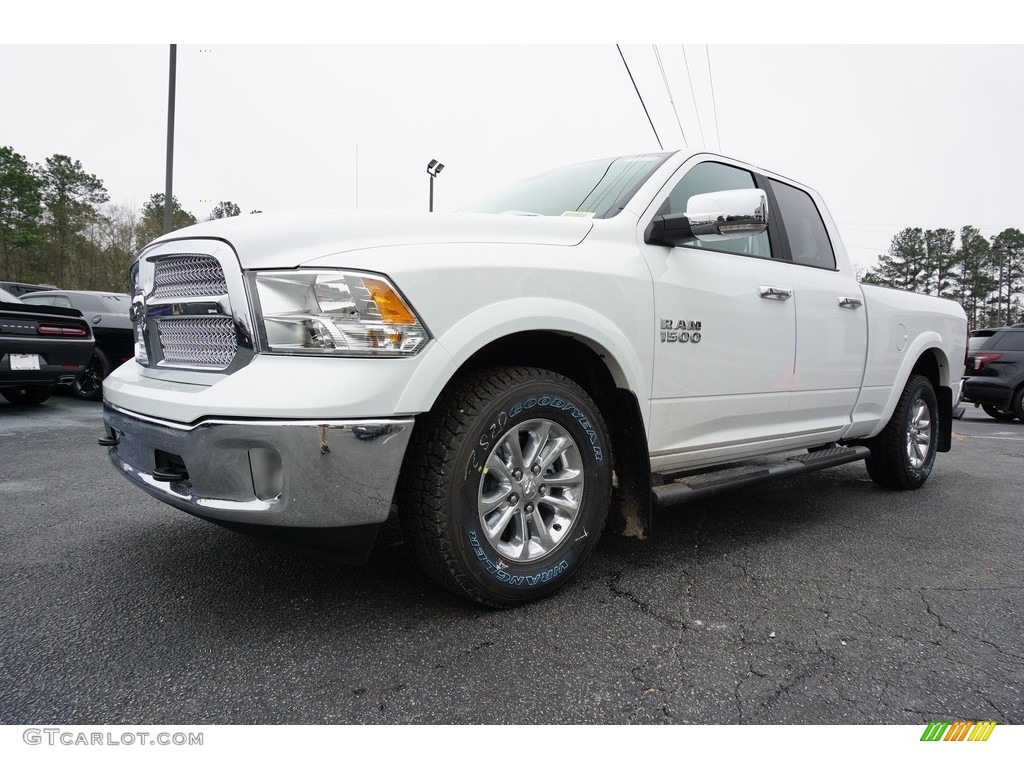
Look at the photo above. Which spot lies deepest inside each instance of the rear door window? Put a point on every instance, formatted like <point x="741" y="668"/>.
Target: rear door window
<point x="1011" y="341"/>
<point x="807" y="238"/>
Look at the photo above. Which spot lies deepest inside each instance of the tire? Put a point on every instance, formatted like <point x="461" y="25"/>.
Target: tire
<point x="506" y="485"/>
<point x="30" y="394"/>
<point x="998" y="413"/>
<point x="903" y="454"/>
<point x="1018" y="404"/>
<point x="88" y="385"/>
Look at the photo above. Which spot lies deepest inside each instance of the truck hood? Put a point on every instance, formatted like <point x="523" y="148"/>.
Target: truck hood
<point x="268" y="240"/>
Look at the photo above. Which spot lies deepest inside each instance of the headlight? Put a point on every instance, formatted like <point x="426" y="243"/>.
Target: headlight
<point x="137" y="313"/>
<point x="335" y="313"/>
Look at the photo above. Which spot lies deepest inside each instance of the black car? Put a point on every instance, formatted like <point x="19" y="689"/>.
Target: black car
<point x="107" y="312"/>
<point x="40" y="347"/>
<point x="995" y="371"/>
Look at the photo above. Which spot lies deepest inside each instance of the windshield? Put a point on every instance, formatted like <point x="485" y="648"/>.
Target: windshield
<point x="116" y="303"/>
<point x="598" y="189"/>
<point x="5" y="296"/>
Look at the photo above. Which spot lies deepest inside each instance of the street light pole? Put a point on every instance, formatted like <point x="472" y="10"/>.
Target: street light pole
<point x="433" y="168"/>
<point x="168" y="197"/>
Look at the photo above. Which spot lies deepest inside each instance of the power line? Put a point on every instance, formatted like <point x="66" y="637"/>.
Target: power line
<point x="660" y="145"/>
<point x="693" y="95"/>
<point x="668" y="90"/>
<point x="718" y="135"/>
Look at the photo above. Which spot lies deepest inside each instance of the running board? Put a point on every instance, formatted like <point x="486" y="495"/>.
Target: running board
<point x="693" y="487"/>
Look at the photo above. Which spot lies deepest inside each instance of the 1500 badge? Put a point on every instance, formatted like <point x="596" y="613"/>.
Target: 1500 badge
<point x="680" y="330"/>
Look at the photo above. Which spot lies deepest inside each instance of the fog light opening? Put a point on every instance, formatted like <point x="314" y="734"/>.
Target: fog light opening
<point x="267" y="473"/>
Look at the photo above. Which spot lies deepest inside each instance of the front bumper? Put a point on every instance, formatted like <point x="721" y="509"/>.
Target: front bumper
<point x="282" y="474"/>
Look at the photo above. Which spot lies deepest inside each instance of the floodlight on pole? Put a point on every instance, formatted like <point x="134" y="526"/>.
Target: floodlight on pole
<point x="433" y="168"/>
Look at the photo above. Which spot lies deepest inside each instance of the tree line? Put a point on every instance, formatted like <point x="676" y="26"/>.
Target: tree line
<point x="58" y="226"/>
<point x="985" y="276"/>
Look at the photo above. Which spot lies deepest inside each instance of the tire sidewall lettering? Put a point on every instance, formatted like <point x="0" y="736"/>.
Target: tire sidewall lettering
<point x="555" y="567"/>
<point x="497" y="426"/>
<point x="516" y="577"/>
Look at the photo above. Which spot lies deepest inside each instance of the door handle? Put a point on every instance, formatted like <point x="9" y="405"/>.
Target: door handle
<point x="775" y="294"/>
<point x="848" y="302"/>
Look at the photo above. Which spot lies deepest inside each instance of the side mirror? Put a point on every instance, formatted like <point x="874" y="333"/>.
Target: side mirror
<point x="727" y="215"/>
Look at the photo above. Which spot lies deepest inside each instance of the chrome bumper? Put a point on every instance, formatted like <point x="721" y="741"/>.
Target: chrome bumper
<point x="294" y="474"/>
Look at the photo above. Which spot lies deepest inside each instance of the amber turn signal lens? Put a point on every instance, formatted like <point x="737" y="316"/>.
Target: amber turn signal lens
<point x="392" y="308"/>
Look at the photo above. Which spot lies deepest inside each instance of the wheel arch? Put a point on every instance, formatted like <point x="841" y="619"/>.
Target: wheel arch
<point x="593" y="368"/>
<point x="928" y="360"/>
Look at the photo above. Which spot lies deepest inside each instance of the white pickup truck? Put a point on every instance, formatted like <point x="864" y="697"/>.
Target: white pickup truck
<point x="514" y="378"/>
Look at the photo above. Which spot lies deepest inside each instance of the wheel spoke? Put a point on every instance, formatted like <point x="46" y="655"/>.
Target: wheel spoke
<point x="515" y="450"/>
<point x="497" y="469"/>
<point x="496" y="529"/>
<point x="491" y="502"/>
<point x="538" y="441"/>
<point x="566" y="478"/>
<point x="557" y="448"/>
<point x="561" y="504"/>
<point x="543" y="534"/>
<point x="524" y="541"/>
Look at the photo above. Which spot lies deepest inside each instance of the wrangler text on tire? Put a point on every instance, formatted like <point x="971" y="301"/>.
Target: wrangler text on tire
<point x="506" y="484"/>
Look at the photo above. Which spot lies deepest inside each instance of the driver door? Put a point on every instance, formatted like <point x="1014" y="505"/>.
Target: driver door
<point x="725" y="341"/>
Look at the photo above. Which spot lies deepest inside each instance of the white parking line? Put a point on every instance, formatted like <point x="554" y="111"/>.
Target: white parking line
<point x="985" y="437"/>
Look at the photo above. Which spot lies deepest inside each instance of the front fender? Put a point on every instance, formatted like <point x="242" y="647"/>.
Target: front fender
<point x="493" y="322"/>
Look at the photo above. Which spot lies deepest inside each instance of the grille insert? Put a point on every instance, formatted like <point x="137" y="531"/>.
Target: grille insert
<point x="188" y="275"/>
<point x="208" y="342"/>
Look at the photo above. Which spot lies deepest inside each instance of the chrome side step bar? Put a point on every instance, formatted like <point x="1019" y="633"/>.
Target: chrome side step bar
<point x="699" y="486"/>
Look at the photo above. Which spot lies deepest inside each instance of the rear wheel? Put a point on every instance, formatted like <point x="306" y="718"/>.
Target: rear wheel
<point x="88" y="385"/>
<point x="30" y="394"/>
<point x="1018" y="403"/>
<point x="1000" y="414"/>
<point x="903" y="454"/>
<point x="506" y="485"/>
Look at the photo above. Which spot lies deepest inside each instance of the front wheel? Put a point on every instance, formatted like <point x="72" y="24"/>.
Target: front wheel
<point x="903" y="454"/>
<point x="506" y="484"/>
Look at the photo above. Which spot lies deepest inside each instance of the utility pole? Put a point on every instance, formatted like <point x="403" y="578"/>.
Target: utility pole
<point x="168" y="196"/>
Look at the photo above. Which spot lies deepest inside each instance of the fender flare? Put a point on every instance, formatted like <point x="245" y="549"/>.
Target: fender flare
<point x="505" y="318"/>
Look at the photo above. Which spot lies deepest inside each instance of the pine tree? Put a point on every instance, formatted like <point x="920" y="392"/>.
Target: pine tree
<point x="21" y="212"/>
<point x="71" y="196"/>
<point x="972" y="274"/>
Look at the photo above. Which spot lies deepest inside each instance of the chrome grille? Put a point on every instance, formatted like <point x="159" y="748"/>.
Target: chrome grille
<point x="188" y="275"/>
<point x="197" y="341"/>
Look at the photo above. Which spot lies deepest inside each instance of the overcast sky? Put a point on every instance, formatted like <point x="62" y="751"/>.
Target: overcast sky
<point x="891" y="135"/>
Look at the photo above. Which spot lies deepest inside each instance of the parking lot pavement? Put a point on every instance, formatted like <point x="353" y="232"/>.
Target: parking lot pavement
<point x="822" y="599"/>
